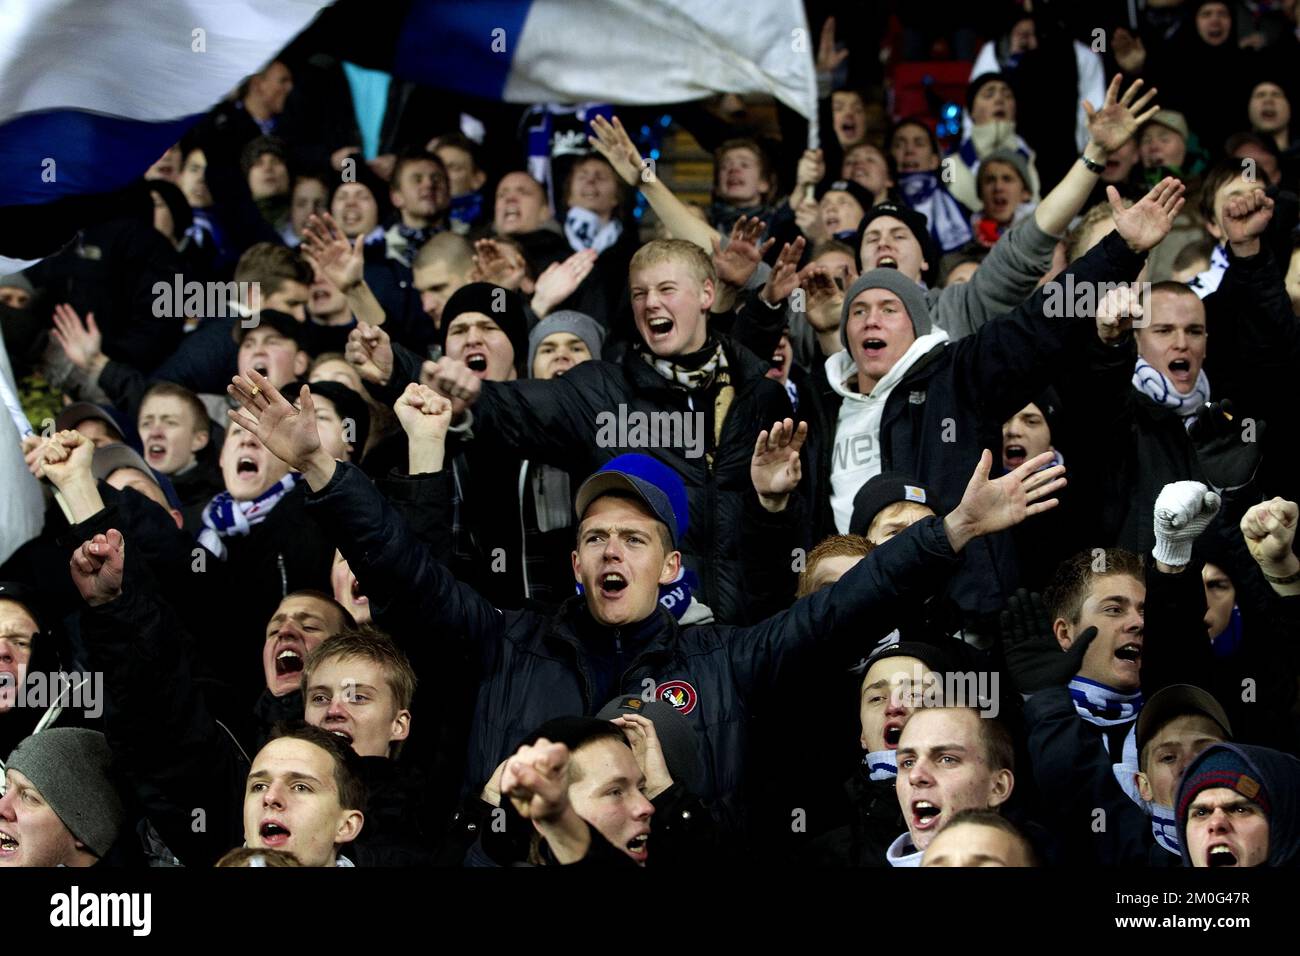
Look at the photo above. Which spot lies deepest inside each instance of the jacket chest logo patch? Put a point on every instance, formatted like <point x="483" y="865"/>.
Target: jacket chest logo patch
<point x="916" y="398"/>
<point x="680" y="694"/>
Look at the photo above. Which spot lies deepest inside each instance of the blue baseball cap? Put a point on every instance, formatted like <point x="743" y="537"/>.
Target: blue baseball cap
<point x="636" y="475"/>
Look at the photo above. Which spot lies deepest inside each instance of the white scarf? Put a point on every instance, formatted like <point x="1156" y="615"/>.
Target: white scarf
<point x="1164" y="827"/>
<point x="1153" y="383"/>
<point x="881" y="764"/>
<point x="583" y="230"/>
<point x="1103" y="706"/>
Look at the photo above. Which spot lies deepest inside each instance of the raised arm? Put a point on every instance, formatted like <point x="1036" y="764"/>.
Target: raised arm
<point x="343" y="264"/>
<point x="610" y="139"/>
<point x="865" y="604"/>
<point x="395" y="569"/>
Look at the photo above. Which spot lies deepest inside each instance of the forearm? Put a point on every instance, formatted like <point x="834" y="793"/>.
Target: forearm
<point x="81" y="495"/>
<point x="569" y="837"/>
<point x="1278" y="571"/>
<point x="364" y="305"/>
<point x="676" y="215"/>
<point x="1063" y="203"/>
<point x="425" y="456"/>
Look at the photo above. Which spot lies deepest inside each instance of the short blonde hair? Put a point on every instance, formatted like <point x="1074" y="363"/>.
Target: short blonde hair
<point x="697" y="262"/>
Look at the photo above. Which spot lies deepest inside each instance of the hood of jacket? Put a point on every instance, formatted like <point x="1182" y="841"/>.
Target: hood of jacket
<point x="840" y="366"/>
<point x="1279" y="775"/>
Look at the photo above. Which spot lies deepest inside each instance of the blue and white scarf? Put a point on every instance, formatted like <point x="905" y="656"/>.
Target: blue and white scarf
<point x="881" y="764"/>
<point x="1164" y="827"/>
<point x="583" y="230"/>
<point x="1103" y="706"/>
<point x="949" y="220"/>
<point x="1203" y="283"/>
<point x="225" y="516"/>
<point x="1153" y="383"/>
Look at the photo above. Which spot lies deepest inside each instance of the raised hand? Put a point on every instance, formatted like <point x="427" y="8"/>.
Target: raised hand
<point x="1269" y="530"/>
<point x="1183" y="510"/>
<point x="784" y="277"/>
<point x="499" y="264"/>
<point x="989" y="506"/>
<point x="828" y="58"/>
<point x="808" y="217"/>
<point x="737" y="262"/>
<point x="97" y="567"/>
<point x="330" y="253"/>
<point x="423" y="413"/>
<point x="560" y="280"/>
<point x="823" y="298"/>
<point x="610" y="139"/>
<point x="371" y="351"/>
<point x="811" y="169"/>
<point x="775" y="468"/>
<point x="288" y="433"/>
<point x="81" y="342"/>
<point x="34" y="454"/>
<point x="1120" y="116"/>
<point x="1116" y="312"/>
<point x="1034" y="658"/>
<point x="1130" y="53"/>
<point x="536" y="781"/>
<point x="1148" y="220"/>
<point x="1245" y="217"/>
<point x="648" y="751"/>
<point x="453" y="378"/>
<point x="66" y="457"/>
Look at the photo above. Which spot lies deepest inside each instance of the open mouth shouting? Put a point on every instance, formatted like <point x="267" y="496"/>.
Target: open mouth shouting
<point x="892" y="732"/>
<point x="248" y="468"/>
<point x="873" y="348"/>
<point x="289" y="657"/>
<point x="886" y="259"/>
<point x="637" y="847"/>
<point x="510" y="215"/>
<point x="612" y="585"/>
<point x="155" y="452"/>
<point x="1129" y="657"/>
<point x="925" y="816"/>
<point x="8" y="845"/>
<point x="1014" y="455"/>
<point x="1180" y="371"/>
<point x="339" y="732"/>
<point x="273" y="833"/>
<point x="1221" y="854"/>
<point x="659" y="328"/>
<point x="476" y="360"/>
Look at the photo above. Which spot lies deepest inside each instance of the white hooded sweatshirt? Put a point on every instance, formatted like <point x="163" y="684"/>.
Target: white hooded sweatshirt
<point x="855" y="456"/>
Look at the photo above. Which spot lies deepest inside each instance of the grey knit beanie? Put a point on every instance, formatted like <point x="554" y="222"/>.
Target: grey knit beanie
<point x="575" y="323"/>
<point x="69" y="766"/>
<point x="908" y="292"/>
<point x="17" y="280"/>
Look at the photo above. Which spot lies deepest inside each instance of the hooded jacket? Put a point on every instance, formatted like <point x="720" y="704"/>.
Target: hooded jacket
<point x="950" y="405"/>
<point x="1279" y="774"/>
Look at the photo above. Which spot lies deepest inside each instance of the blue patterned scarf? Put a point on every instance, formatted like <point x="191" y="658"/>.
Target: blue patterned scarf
<point x="1164" y="827"/>
<point x="1101" y="705"/>
<point x="881" y="764"/>
<point x="949" y="220"/>
<point x="1153" y="383"/>
<point x="225" y="516"/>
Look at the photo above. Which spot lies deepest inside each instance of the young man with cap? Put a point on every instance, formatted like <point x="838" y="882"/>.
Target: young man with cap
<point x="840" y="207"/>
<point x="1162" y="144"/>
<point x="1237" y="807"/>
<point x="887" y="504"/>
<point x="902" y="396"/>
<point x="614" y="638"/>
<point x="707" y="397"/>
<point x="1004" y="194"/>
<point x="61" y="806"/>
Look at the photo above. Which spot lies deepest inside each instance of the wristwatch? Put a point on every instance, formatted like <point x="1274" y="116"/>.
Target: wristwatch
<point x="1092" y="164"/>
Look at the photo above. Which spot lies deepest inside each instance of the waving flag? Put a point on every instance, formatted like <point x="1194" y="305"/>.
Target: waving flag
<point x="93" y="91"/>
<point x="628" y="52"/>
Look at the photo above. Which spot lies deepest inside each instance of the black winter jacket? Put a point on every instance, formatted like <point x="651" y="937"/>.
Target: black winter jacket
<point x="533" y="667"/>
<point x="556" y="422"/>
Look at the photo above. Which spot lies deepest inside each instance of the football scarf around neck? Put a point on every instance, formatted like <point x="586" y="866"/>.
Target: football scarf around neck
<point x="1103" y="706"/>
<point x="1164" y="827"/>
<point x="224" y="516"/>
<point x="949" y="222"/>
<point x="1154" y="385"/>
<point x="583" y="229"/>
<point x="881" y="764"/>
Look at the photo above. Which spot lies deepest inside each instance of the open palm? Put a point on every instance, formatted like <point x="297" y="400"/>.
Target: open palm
<point x="1148" y="220"/>
<point x="1120" y="116"/>
<point x="288" y="433"/>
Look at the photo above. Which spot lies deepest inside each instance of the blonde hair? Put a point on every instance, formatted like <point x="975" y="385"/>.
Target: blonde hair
<point x="697" y="262"/>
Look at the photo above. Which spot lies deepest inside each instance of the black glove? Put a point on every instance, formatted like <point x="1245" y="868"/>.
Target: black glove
<point x="1035" y="660"/>
<point x="1227" y="458"/>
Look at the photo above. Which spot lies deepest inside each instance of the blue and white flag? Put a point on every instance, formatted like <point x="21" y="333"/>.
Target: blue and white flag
<point x="628" y="52"/>
<point x="92" y="92"/>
